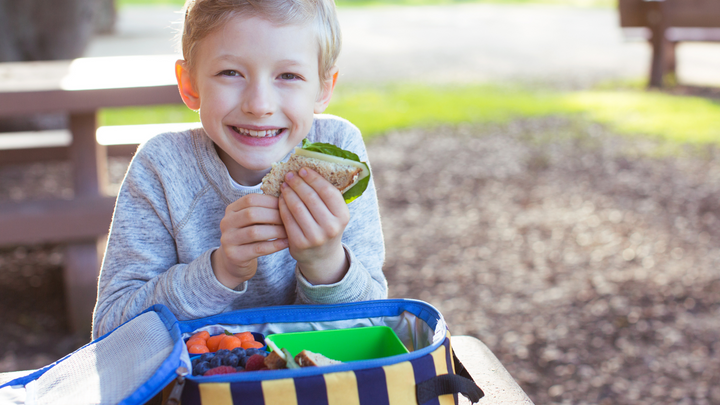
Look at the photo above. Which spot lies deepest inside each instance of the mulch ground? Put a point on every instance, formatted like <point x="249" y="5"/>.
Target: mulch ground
<point x="589" y="263"/>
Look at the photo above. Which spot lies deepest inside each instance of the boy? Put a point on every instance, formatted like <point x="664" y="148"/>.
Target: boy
<point x="191" y="229"/>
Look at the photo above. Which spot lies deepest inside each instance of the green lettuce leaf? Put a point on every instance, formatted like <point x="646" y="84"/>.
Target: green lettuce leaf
<point x="330" y="149"/>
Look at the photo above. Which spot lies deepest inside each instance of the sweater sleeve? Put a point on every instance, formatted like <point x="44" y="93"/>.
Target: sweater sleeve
<point x="362" y="239"/>
<point x="141" y="266"/>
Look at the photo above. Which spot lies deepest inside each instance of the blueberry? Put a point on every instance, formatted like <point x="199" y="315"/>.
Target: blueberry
<point x="243" y="360"/>
<point x="201" y="367"/>
<point x="216" y="361"/>
<point x="195" y="361"/>
<point x="207" y="356"/>
<point x="231" y="360"/>
<point x="250" y="352"/>
<point x="239" y="351"/>
<point x="222" y="352"/>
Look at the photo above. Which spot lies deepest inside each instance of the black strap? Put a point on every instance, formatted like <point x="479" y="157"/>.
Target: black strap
<point x="460" y="368"/>
<point x="448" y="384"/>
<point x="460" y="382"/>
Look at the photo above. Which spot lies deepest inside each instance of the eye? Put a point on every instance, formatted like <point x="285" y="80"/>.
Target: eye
<point x="229" y="73"/>
<point x="289" y="76"/>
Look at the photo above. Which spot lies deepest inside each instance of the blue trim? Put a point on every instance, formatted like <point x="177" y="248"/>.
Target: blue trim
<point x="319" y="313"/>
<point x="310" y="371"/>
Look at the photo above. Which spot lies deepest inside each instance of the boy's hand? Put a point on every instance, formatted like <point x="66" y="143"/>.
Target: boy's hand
<point x="315" y="216"/>
<point x="251" y="228"/>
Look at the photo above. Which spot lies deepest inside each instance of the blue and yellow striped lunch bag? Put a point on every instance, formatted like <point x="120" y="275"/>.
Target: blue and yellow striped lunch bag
<point x="428" y="373"/>
<point x="145" y="361"/>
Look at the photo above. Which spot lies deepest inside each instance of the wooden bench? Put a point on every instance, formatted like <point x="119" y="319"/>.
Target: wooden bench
<point x="671" y="22"/>
<point x="79" y="87"/>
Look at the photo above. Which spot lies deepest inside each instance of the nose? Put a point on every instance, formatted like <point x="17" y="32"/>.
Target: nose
<point x="258" y="100"/>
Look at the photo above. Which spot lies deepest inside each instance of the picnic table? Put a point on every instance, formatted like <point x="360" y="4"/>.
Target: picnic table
<point x="79" y="88"/>
<point x="671" y="22"/>
<point x="487" y="371"/>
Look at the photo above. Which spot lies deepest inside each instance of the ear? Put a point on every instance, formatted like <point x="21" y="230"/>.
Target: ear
<point x="190" y="96"/>
<point x="327" y="91"/>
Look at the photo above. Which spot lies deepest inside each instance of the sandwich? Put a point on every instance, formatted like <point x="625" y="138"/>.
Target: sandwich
<point x="306" y="358"/>
<point x="343" y="169"/>
<point x="282" y="359"/>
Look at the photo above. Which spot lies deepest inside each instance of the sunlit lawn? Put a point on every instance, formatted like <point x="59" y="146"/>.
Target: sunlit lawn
<point x="680" y="119"/>
<point x="639" y="112"/>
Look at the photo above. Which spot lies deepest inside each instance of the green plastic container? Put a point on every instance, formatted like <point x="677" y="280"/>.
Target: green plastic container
<point x="372" y="342"/>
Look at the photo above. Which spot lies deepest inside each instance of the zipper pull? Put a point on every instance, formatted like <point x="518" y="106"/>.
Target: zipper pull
<point x="174" y="397"/>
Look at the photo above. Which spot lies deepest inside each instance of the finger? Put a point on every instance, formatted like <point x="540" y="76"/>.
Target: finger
<point x="245" y="253"/>
<point x="236" y="221"/>
<point x="253" y="234"/>
<point x="253" y="200"/>
<point x="331" y="197"/>
<point x="312" y="202"/>
<point x="258" y="215"/>
<point x="292" y="227"/>
<point x="313" y="228"/>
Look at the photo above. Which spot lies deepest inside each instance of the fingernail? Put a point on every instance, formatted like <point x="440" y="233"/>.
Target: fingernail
<point x="303" y="172"/>
<point x="289" y="175"/>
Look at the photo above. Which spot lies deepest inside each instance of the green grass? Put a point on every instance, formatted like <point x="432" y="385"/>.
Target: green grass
<point x="355" y="3"/>
<point x="679" y="119"/>
<point x="147" y="115"/>
<point x="378" y="110"/>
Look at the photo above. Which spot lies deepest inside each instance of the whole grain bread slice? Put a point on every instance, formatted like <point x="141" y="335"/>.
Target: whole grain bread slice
<point x="339" y="175"/>
<point x="307" y="358"/>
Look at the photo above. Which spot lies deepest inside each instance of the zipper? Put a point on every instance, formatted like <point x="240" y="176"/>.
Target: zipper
<point x="174" y="397"/>
<point x="421" y="309"/>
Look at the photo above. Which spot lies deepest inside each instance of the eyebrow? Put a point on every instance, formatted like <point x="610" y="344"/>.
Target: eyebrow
<point x="234" y="58"/>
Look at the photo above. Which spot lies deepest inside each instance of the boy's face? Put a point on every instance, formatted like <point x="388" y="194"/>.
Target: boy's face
<point x="256" y="86"/>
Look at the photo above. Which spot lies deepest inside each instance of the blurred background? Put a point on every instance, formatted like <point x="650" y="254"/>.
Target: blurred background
<point x="533" y="186"/>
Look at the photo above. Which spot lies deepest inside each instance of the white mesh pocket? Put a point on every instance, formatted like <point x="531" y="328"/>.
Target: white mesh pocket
<point x="108" y="371"/>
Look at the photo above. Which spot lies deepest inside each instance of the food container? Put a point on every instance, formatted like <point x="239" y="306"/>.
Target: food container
<point x="371" y="342"/>
<point x="259" y="337"/>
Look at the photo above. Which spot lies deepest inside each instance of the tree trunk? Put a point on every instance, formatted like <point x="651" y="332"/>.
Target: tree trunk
<point x="48" y="30"/>
<point x="105" y="17"/>
<point x="45" y="29"/>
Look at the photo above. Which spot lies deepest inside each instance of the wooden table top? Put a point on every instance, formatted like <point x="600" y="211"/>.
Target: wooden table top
<point x="86" y="84"/>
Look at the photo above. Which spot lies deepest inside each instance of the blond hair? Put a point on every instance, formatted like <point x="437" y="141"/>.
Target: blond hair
<point x="204" y="16"/>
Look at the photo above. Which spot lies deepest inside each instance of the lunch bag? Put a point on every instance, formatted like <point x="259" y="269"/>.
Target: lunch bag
<point x="145" y="361"/>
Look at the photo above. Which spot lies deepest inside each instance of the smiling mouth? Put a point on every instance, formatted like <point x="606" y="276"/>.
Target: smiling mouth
<point x="258" y="134"/>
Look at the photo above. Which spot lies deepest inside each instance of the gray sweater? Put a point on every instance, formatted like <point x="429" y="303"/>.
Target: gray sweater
<point x="167" y="223"/>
